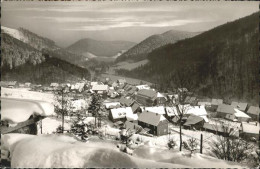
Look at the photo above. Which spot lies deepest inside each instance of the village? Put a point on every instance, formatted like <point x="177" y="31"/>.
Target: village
<point x="131" y="114"/>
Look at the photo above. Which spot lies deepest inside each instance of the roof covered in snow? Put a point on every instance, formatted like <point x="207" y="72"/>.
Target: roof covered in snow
<point x="192" y="119"/>
<point x="250" y="127"/>
<point x="139" y="87"/>
<point x="216" y="101"/>
<point x="157" y="109"/>
<point x="24" y="109"/>
<point x="119" y="113"/>
<point x="151" y="118"/>
<point x="100" y="87"/>
<point x="112" y="104"/>
<point x="241" y="114"/>
<point x="171" y="111"/>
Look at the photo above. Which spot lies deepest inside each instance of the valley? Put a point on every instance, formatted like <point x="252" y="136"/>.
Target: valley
<point x="140" y="86"/>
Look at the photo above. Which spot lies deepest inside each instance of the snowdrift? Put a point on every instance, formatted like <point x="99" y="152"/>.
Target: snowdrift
<point x="60" y="151"/>
<point x="52" y="151"/>
<point x="23" y="109"/>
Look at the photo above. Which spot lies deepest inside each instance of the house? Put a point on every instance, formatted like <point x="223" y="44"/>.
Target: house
<point x="146" y="97"/>
<point x="118" y="114"/>
<point x="139" y="87"/>
<point x="9" y="84"/>
<point x="156" y="109"/>
<point x="126" y="101"/>
<point x="112" y="105"/>
<point x="160" y="99"/>
<point x="191" y="100"/>
<point x="121" y="114"/>
<point x="195" y="122"/>
<point x="129" y="89"/>
<point x="101" y="89"/>
<point x="197" y="111"/>
<point x="231" y="113"/>
<point x="170" y="113"/>
<point x="249" y="130"/>
<point x="23" y="117"/>
<point x="136" y="107"/>
<point x="215" y="103"/>
<point x="220" y="129"/>
<point x="133" y="126"/>
<point x="253" y="112"/>
<point x="224" y="109"/>
<point x="240" y="106"/>
<point x="155" y="123"/>
<point x="27" y="84"/>
<point x="121" y="81"/>
<point x="54" y="85"/>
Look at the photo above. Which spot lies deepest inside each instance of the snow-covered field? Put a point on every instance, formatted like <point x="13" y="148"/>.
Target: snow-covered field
<point x="50" y="124"/>
<point x="56" y="151"/>
<point x="23" y="93"/>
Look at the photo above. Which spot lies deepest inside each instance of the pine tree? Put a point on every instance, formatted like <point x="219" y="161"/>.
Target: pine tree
<point x="94" y="108"/>
<point x="79" y="129"/>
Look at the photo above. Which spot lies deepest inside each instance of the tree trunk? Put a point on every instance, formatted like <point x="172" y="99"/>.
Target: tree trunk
<point x="180" y="135"/>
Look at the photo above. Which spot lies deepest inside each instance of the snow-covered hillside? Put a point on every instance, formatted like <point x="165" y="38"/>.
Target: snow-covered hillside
<point x="56" y="151"/>
<point x="15" y="34"/>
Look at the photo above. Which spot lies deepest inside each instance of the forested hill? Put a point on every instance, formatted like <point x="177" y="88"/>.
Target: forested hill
<point x="99" y="48"/>
<point x="141" y="50"/>
<point x="24" y="63"/>
<point x="222" y="62"/>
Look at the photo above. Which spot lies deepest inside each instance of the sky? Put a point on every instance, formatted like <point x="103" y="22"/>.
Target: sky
<point x="67" y="22"/>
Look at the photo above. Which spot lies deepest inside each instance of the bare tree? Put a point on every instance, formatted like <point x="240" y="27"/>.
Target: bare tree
<point x="228" y="145"/>
<point x="182" y="84"/>
<point x="62" y="103"/>
<point x="192" y="145"/>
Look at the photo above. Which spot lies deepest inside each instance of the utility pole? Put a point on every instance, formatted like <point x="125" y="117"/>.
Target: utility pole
<point x="62" y="124"/>
<point x="201" y="141"/>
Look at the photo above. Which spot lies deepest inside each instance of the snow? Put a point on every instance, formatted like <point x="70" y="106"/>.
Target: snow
<point x="122" y="112"/>
<point x="100" y="87"/>
<point x="49" y="125"/>
<point x="60" y="151"/>
<point x="139" y="87"/>
<point x="78" y="104"/>
<point x="15" y="33"/>
<point x="107" y="105"/>
<point x="159" y="109"/>
<point x="241" y="114"/>
<point x="107" y="130"/>
<point x="25" y="94"/>
<point x="24" y="109"/>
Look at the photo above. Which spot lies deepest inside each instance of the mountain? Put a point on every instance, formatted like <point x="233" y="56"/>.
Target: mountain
<point x="99" y="48"/>
<point x="222" y="62"/>
<point x="30" y="38"/>
<point x="38" y="63"/>
<point x="141" y="50"/>
<point x="41" y="43"/>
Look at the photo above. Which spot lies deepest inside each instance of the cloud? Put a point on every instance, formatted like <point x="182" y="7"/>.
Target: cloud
<point x="99" y="27"/>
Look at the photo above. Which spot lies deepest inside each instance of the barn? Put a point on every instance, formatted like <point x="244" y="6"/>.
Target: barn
<point x="154" y="123"/>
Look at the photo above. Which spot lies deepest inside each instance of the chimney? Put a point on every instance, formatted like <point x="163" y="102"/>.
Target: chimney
<point x="156" y="114"/>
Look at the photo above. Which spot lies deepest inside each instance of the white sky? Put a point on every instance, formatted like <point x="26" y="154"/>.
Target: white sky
<point x="67" y="22"/>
